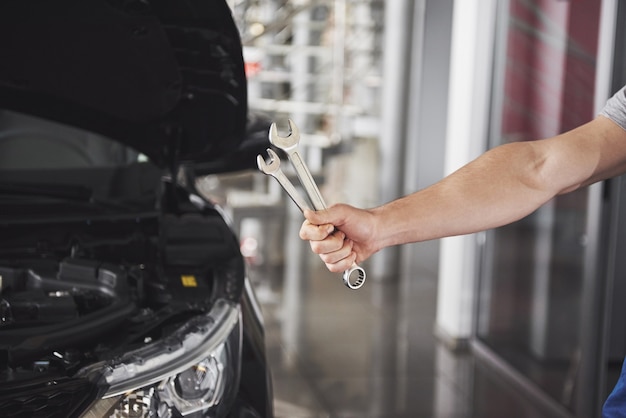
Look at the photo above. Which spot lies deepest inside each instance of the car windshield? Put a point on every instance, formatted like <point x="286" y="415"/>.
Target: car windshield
<point x="61" y="166"/>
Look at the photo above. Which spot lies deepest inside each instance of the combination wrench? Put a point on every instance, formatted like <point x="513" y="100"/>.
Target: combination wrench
<point x="355" y="276"/>
<point x="272" y="168"/>
<point x="289" y="144"/>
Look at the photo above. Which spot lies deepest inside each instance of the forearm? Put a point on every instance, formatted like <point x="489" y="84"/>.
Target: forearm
<point x="504" y="185"/>
<point x="491" y="191"/>
<point x="501" y="186"/>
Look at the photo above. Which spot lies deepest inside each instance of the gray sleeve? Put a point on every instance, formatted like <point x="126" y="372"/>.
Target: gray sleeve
<point x="615" y="108"/>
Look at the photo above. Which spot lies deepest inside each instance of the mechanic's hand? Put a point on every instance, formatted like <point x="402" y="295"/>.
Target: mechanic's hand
<point x="341" y="235"/>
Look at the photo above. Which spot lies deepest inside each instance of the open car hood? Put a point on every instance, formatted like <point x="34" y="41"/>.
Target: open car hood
<point x="166" y="78"/>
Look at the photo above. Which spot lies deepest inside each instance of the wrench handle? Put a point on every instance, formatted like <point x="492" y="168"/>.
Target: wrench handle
<point x="292" y="192"/>
<point x="307" y="180"/>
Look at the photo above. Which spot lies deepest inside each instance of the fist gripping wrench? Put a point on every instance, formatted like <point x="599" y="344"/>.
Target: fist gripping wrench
<point x="355" y="276"/>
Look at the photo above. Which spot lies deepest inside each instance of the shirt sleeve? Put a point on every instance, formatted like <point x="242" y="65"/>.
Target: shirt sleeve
<point x="615" y="108"/>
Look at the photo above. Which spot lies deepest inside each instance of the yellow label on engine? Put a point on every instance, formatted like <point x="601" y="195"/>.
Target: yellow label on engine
<point x="189" y="281"/>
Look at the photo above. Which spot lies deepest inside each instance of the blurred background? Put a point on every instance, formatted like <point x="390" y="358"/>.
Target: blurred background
<point x="390" y="96"/>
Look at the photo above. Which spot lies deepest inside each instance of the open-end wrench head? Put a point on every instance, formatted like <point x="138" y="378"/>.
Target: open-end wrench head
<point x="268" y="167"/>
<point x="272" y="168"/>
<point x="288" y="142"/>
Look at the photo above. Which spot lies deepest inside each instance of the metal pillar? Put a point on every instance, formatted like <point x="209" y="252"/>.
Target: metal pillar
<point x="398" y="23"/>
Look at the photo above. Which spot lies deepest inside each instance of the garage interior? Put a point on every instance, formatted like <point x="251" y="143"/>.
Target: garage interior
<point x="375" y="88"/>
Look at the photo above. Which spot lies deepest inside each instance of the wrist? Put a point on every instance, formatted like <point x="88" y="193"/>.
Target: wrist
<point x="382" y="227"/>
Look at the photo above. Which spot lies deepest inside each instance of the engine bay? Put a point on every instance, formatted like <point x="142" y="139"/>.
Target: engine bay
<point x="74" y="293"/>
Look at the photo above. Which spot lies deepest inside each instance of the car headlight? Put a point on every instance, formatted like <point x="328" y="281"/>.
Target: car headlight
<point x="196" y="369"/>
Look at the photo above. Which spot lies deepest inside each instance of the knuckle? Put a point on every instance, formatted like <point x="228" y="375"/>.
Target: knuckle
<point x="333" y="268"/>
<point x="315" y="247"/>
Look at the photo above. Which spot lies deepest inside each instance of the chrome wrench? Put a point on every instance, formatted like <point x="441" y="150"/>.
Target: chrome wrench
<point x="272" y="168"/>
<point x="289" y="145"/>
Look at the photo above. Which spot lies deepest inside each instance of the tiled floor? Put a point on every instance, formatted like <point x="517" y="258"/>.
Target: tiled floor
<point x="371" y="353"/>
<point x="337" y="352"/>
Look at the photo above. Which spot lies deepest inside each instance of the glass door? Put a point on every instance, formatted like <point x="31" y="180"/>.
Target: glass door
<point x="532" y="285"/>
<point x="614" y="340"/>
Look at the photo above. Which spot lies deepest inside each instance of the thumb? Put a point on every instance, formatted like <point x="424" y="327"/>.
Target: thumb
<point x="333" y="215"/>
<point x="319" y="217"/>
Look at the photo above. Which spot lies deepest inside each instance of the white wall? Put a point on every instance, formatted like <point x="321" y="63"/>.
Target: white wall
<point x="466" y="137"/>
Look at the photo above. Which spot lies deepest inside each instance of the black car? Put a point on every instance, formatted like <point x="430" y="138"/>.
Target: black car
<point x="123" y="292"/>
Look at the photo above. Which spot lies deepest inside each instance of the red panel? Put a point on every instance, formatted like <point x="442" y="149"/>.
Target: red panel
<point x="550" y="67"/>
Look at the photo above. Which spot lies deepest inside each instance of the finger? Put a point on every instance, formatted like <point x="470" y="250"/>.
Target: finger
<point x="336" y="256"/>
<point x="330" y="215"/>
<point x="341" y="265"/>
<point x="314" y="217"/>
<point x="312" y="232"/>
<point x="332" y="243"/>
